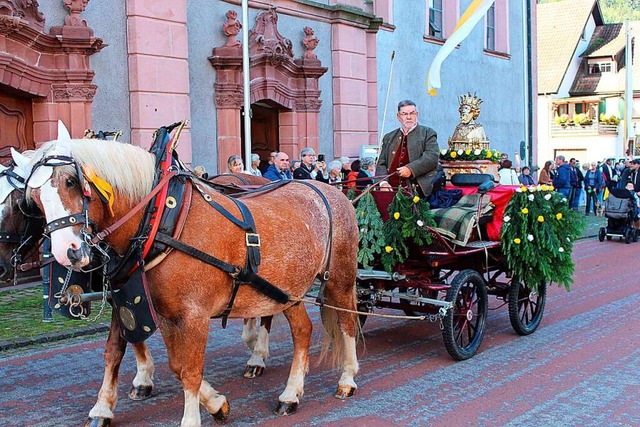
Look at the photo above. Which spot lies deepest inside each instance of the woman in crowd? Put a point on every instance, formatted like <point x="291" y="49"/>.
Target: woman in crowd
<point x="545" y="174"/>
<point x="353" y="174"/>
<point x="593" y="183"/>
<point x="367" y="170"/>
<point x="525" y="177"/>
<point x="507" y="175"/>
<point x="234" y="164"/>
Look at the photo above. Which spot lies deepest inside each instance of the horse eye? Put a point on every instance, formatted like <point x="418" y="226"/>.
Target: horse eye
<point x="71" y="182"/>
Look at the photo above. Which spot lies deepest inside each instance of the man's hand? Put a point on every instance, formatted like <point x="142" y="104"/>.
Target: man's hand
<point x="404" y="172"/>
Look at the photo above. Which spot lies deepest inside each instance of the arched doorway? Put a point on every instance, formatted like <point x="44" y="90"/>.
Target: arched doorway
<point x="284" y="90"/>
<point x="265" y="134"/>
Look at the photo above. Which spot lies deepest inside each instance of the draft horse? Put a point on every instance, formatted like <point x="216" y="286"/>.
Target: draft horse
<point x="187" y="291"/>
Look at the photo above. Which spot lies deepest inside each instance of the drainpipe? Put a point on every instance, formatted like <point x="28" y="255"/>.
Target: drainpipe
<point x="528" y="82"/>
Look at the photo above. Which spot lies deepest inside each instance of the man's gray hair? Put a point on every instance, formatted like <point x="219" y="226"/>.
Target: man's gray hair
<point x="307" y="150"/>
<point x="345" y="160"/>
<point x="405" y="103"/>
<point x="366" y="162"/>
<point x="335" y="165"/>
<point x="560" y="157"/>
<point x="254" y="157"/>
<point x="278" y="155"/>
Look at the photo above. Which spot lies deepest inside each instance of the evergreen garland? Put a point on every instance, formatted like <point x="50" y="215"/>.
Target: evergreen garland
<point x="537" y="236"/>
<point x="409" y="217"/>
<point x="371" y="243"/>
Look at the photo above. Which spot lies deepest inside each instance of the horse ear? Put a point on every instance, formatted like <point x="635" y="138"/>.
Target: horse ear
<point x="63" y="132"/>
<point x="22" y="162"/>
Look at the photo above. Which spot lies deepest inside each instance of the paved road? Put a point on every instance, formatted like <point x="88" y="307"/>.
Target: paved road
<point x="579" y="369"/>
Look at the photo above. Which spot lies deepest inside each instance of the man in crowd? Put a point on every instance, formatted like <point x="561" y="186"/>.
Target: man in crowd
<point x="411" y="151"/>
<point x="631" y="174"/>
<point x="610" y="174"/>
<point x="272" y="156"/>
<point x="309" y="168"/>
<point x="575" y="180"/>
<point x="562" y="180"/>
<point x="279" y="170"/>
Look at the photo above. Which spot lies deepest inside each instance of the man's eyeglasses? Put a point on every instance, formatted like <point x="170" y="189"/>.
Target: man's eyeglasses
<point x="309" y="155"/>
<point x="284" y="160"/>
<point x="409" y="114"/>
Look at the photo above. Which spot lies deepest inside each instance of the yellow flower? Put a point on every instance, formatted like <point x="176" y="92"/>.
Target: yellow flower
<point x="540" y="218"/>
<point x="558" y="215"/>
<point x="388" y="249"/>
<point x="467" y="152"/>
<point x="551" y="187"/>
<point x="396" y="215"/>
<point x="544" y="187"/>
<point x="489" y="155"/>
<point x="453" y="154"/>
<point x="516" y="240"/>
<point x="525" y="211"/>
<point x="416" y="199"/>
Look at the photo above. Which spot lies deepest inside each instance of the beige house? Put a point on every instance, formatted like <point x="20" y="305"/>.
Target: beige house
<point x="581" y="82"/>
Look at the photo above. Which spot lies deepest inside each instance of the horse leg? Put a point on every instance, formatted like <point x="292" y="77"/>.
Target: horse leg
<point x="186" y="346"/>
<point x="301" y="329"/>
<point x="250" y="332"/>
<point x="143" y="381"/>
<point x="102" y="412"/>
<point x="256" y="364"/>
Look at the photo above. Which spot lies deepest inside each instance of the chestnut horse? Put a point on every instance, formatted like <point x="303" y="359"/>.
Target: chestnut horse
<point x="186" y="292"/>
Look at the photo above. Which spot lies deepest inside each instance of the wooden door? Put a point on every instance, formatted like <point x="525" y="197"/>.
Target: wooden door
<point x="264" y="131"/>
<point x="16" y="125"/>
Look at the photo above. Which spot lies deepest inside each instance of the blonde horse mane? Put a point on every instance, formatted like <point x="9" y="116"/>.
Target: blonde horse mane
<point x="128" y="168"/>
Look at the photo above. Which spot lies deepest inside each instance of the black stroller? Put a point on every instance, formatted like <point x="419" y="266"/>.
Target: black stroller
<point x="620" y="210"/>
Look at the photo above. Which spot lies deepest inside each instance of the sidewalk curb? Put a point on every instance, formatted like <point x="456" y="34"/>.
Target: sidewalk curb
<point x="43" y="339"/>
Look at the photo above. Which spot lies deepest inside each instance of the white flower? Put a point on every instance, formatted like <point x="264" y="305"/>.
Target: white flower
<point x="506" y="218"/>
<point x="560" y="249"/>
<point x="460" y="152"/>
<point x="362" y="230"/>
<point x="420" y="223"/>
<point x="568" y="239"/>
<point x="564" y="199"/>
<point x="519" y="190"/>
<point x="531" y="197"/>
<point x="443" y="151"/>
<point x="547" y="196"/>
<point x="539" y="187"/>
<point x="477" y="152"/>
<point x="530" y="237"/>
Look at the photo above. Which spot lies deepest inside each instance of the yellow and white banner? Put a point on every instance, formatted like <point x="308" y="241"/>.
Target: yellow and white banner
<point x="476" y="10"/>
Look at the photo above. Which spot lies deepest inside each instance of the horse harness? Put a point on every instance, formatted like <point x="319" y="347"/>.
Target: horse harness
<point x="160" y="232"/>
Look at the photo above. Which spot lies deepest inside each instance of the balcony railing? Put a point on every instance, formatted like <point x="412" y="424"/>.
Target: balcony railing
<point x="583" y="130"/>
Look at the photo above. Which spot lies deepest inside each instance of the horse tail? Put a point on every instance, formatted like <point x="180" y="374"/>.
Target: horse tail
<point x="333" y="339"/>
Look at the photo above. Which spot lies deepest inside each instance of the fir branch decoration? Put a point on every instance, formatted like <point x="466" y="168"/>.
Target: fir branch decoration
<point x="537" y="236"/>
<point x="370" y="224"/>
<point x="409" y="217"/>
<point x="351" y="193"/>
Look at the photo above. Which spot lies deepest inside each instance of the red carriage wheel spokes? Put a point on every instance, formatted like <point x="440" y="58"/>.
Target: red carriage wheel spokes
<point x="464" y="324"/>
<point x="526" y="306"/>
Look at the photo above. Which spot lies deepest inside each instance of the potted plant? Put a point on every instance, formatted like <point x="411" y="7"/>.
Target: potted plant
<point x="562" y="120"/>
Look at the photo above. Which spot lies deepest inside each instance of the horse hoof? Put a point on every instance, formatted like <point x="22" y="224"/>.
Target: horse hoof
<point x="344" y="391"/>
<point x="98" y="422"/>
<point x="140" y="392"/>
<point x="286" y="408"/>
<point x="222" y="415"/>
<point x="253" y="371"/>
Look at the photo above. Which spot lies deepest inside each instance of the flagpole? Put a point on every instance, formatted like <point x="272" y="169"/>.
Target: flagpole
<point x="628" y="88"/>
<point x="386" y="102"/>
<point x="246" y="85"/>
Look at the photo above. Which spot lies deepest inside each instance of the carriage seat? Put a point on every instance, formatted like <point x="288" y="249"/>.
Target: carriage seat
<point x="458" y="222"/>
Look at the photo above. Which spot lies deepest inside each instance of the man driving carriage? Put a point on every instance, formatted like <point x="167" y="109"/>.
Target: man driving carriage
<point x="411" y="151"/>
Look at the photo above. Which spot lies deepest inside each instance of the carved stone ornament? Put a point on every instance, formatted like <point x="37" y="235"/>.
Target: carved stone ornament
<point x="310" y="42"/>
<point x="231" y="28"/>
<point x="265" y="38"/>
<point x="24" y="9"/>
<point x="72" y="92"/>
<point x="76" y="7"/>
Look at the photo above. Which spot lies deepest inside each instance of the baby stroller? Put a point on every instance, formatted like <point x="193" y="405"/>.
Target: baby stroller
<point x="620" y="211"/>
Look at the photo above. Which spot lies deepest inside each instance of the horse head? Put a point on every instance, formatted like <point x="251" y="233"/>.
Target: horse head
<point x="19" y="230"/>
<point x="64" y="186"/>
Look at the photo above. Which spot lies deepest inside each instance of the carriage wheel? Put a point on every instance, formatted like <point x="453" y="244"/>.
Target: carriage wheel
<point x="602" y="233"/>
<point x="628" y="236"/>
<point x="526" y="307"/>
<point x="463" y="326"/>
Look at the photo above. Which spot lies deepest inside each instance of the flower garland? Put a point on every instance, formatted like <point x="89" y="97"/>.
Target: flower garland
<point x="537" y="237"/>
<point x="468" y="154"/>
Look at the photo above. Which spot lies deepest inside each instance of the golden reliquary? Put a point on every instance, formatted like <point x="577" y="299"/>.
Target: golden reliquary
<point x="468" y="134"/>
